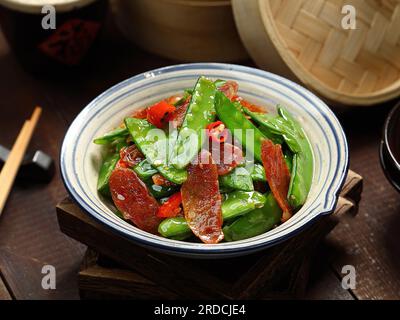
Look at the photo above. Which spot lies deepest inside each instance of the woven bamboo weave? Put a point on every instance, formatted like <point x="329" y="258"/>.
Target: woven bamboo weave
<point x="353" y="66"/>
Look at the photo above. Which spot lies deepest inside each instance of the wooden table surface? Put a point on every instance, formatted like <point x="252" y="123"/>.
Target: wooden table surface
<point x="29" y="234"/>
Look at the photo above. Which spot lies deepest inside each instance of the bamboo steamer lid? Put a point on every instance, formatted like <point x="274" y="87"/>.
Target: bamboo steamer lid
<point x="304" y="40"/>
<point x="183" y="30"/>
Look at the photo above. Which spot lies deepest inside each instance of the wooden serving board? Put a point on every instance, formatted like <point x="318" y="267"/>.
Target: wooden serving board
<point x="4" y="293"/>
<point x="117" y="267"/>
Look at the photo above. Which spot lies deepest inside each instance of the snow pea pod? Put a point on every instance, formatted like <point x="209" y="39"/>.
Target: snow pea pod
<point x="235" y="204"/>
<point x="200" y="113"/>
<point x="144" y="170"/>
<point x="108" y="165"/>
<point x="238" y="179"/>
<point x="106" y="169"/>
<point x="302" y="171"/>
<point x="240" y="202"/>
<point x="275" y="126"/>
<point x="262" y="119"/>
<point x="296" y="139"/>
<point x="237" y="123"/>
<point x="288" y="155"/>
<point x="153" y="143"/>
<point x="159" y="192"/>
<point x="258" y="173"/>
<point x="175" y="228"/>
<point x="255" y="222"/>
<point x="112" y="136"/>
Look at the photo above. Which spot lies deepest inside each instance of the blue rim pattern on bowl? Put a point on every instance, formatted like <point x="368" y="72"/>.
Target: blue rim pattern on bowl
<point x="321" y="205"/>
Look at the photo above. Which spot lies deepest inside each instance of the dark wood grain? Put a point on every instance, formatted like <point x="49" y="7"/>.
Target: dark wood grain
<point x="113" y="280"/>
<point x="4" y="293"/>
<point x="371" y="239"/>
<point x="29" y="237"/>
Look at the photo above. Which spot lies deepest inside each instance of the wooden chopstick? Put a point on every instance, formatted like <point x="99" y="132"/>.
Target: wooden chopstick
<point x="10" y="168"/>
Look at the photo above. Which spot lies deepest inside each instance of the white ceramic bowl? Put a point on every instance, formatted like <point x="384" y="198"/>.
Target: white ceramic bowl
<point x="80" y="158"/>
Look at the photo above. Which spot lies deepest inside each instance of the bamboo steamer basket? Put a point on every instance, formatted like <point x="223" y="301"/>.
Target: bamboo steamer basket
<point x="185" y="30"/>
<point x="304" y="40"/>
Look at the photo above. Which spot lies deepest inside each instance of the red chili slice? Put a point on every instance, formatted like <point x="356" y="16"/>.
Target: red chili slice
<point x="131" y="155"/>
<point x="230" y="89"/>
<point x="217" y="131"/>
<point x="277" y="174"/>
<point x="131" y="197"/>
<point x="172" y="207"/>
<point x="226" y="156"/>
<point x="202" y="201"/>
<point x="158" y="113"/>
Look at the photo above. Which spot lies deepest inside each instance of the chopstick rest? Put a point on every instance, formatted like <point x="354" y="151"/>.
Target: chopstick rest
<point x="37" y="167"/>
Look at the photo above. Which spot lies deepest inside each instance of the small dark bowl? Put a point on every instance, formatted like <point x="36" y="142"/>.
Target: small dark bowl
<point x="390" y="147"/>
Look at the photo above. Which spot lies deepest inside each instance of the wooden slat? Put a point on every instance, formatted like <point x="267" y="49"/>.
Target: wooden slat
<point x="4" y="293"/>
<point x="257" y="275"/>
<point x="121" y="282"/>
<point x="77" y="225"/>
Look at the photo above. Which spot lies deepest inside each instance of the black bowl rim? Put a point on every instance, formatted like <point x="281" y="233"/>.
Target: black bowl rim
<point x="387" y="145"/>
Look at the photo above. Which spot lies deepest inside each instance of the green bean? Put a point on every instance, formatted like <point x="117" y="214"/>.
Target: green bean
<point x="144" y="170"/>
<point x="176" y="228"/>
<point x="200" y="113"/>
<point x="237" y="123"/>
<point x="112" y="136"/>
<point x="235" y="204"/>
<point x="240" y="202"/>
<point x="106" y="169"/>
<point x="255" y="222"/>
<point x="238" y="179"/>
<point x="258" y="173"/>
<point x="153" y="143"/>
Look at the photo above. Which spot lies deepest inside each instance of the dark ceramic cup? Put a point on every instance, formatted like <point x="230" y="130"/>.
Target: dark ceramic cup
<point x="48" y="34"/>
<point x="390" y="147"/>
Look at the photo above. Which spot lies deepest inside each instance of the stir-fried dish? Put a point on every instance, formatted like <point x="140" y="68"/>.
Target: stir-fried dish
<point x="207" y="164"/>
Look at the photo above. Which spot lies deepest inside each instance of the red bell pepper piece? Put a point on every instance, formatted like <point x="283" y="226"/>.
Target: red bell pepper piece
<point x="277" y="174"/>
<point x="158" y="113"/>
<point x="172" y="207"/>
